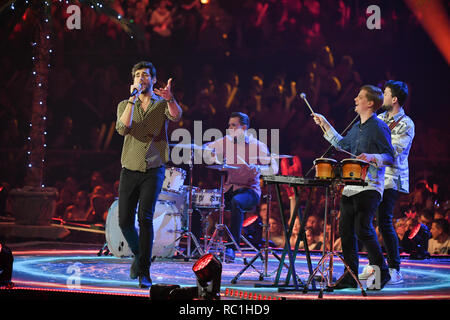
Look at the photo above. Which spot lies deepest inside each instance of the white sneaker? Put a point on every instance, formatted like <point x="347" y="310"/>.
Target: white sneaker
<point x="367" y="272"/>
<point x="396" y="276"/>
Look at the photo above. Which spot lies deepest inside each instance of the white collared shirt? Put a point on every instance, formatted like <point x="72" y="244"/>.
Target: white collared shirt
<point x="397" y="175"/>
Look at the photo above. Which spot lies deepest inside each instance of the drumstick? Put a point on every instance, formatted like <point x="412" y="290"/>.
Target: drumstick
<point x="303" y="96"/>
<point x="351" y="154"/>
<point x="256" y="165"/>
<point x="344" y="151"/>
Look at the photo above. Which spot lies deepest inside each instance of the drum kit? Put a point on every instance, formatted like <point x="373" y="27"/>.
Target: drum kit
<point x="172" y="218"/>
<point x="173" y="212"/>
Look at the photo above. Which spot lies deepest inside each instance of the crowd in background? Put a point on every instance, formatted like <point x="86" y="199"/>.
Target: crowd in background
<point x="253" y="56"/>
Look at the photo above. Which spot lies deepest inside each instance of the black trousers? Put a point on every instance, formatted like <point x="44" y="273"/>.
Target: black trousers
<point x="386" y="226"/>
<point x="143" y="188"/>
<point x="356" y="222"/>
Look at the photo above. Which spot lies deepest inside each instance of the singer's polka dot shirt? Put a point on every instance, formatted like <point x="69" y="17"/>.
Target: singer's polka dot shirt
<point x="145" y="144"/>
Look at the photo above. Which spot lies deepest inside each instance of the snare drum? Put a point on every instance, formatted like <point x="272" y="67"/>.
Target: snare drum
<point x="174" y="179"/>
<point x="166" y="225"/>
<point x="206" y="198"/>
<point x="354" y="169"/>
<point x="325" y="168"/>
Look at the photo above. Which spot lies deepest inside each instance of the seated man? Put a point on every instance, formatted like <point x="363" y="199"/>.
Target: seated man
<point x="242" y="186"/>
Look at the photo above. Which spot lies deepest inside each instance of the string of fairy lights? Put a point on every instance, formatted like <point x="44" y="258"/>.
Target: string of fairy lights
<point x="36" y="159"/>
<point x="36" y="143"/>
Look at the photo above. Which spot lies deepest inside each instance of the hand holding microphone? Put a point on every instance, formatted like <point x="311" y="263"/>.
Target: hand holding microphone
<point x="135" y="89"/>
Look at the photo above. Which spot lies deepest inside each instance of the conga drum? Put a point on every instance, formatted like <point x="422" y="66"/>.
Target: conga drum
<point x="354" y="169"/>
<point x="324" y="168"/>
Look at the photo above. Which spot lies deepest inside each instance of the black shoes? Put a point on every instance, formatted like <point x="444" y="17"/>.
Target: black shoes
<point x="385" y="277"/>
<point x="229" y="255"/>
<point x="346" y="284"/>
<point x="145" y="282"/>
<point x="134" y="269"/>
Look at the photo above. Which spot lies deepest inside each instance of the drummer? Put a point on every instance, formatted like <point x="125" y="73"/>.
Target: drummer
<point x="242" y="187"/>
<point x="370" y="140"/>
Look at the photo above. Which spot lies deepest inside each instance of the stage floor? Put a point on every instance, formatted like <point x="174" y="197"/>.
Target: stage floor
<point x="77" y="269"/>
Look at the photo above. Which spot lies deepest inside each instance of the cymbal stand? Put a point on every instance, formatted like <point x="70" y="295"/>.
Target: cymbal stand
<point x="190" y="235"/>
<point x="221" y="226"/>
<point x="327" y="272"/>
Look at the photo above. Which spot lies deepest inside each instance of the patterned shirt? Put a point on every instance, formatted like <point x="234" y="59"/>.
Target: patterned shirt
<point x="402" y="134"/>
<point x="145" y="144"/>
<point x="371" y="137"/>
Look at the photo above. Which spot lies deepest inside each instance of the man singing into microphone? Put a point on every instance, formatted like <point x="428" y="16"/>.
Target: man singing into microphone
<point x="143" y="120"/>
<point x="370" y="140"/>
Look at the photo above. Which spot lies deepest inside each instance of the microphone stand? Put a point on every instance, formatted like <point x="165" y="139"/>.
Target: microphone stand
<point x="329" y="147"/>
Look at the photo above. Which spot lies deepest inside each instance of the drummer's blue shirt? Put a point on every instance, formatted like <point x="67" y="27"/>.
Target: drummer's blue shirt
<point x="371" y="137"/>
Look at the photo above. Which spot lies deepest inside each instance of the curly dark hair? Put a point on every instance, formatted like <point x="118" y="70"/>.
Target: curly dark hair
<point x="144" y="65"/>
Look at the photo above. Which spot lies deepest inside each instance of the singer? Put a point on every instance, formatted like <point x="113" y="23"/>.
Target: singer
<point x="370" y="140"/>
<point x="143" y="120"/>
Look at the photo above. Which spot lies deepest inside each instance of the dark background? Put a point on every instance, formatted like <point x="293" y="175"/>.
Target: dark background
<point x="90" y="74"/>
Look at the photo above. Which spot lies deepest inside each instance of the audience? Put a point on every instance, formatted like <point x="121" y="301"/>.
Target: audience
<point x="78" y="211"/>
<point x="85" y="93"/>
<point x="440" y="239"/>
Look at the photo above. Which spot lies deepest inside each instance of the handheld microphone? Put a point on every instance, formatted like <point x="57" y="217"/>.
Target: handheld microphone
<point x="136" y="91"/>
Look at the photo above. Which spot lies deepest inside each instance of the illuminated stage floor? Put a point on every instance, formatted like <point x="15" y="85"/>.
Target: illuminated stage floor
<point x="76" y="268"/>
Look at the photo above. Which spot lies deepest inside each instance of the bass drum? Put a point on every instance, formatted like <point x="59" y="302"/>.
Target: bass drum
<point x="167" y="227"/>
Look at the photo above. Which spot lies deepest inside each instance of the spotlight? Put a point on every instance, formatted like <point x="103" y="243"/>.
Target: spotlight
<point x="162" y="291"/>
<point x="208" y="271"/>
<point x="6" y="266"/>
<point x="185" y="293"/>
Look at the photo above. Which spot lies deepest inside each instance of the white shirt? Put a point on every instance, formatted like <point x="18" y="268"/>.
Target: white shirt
<point x="397" y="175"/>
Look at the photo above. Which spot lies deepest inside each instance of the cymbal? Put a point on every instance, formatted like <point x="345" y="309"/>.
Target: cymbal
<point x="189" y="146"/>
<point x="272" y="156"/>
<point x="221" y="167"/>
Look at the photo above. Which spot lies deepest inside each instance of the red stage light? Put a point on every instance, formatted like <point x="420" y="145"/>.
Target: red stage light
<point x="249" y="221"/>
<point x="202" y="262"/>
<point x="246" y="295"/>
<point x="208" y="271"/>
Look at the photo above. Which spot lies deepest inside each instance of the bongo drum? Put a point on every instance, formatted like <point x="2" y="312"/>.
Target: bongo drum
<point x="354" y="169"/>
<point x="324" y="168"/>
